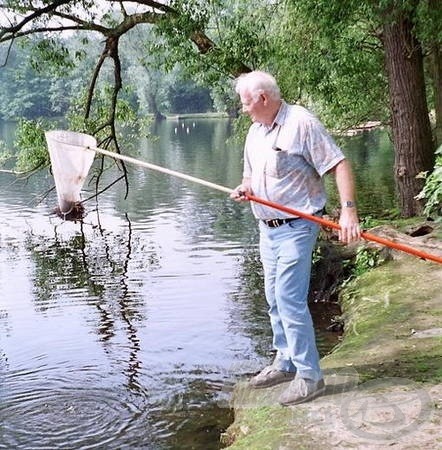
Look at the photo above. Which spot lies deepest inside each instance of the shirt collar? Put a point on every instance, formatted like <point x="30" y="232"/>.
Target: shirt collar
<point x="281" y="114"/>
<point x="279" y="118"/>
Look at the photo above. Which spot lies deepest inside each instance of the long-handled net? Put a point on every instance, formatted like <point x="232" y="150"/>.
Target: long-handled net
<point x="70" y="161"/>
<point x="73" y="154"/>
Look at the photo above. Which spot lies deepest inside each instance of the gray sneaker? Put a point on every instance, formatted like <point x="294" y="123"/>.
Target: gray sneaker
<point x="269" y="376"/>
<point x="301" y="390"/>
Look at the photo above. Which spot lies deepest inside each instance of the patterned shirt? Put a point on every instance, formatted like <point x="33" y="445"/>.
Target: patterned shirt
<point x="286" y="161"/>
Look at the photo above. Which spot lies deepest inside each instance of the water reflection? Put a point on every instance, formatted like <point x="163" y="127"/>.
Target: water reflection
<point x="91" y="280"/>
<point x="372" y="159"/>
<point x="128" y="330"/>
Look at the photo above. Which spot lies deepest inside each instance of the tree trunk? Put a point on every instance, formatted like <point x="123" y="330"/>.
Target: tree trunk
<point x="153" y="107"/>
<point x="435" y="69"/>
<point x="410" y="121"/>
<point x="437" y="87"/>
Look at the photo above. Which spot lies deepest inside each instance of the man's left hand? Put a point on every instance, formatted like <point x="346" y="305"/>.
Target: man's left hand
<point x="350" y="230"/>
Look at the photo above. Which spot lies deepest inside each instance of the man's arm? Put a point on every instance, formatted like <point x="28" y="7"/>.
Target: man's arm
<point x="349" y="222"/>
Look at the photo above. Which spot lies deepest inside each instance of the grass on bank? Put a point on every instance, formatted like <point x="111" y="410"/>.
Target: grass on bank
<point x="385" y="309"/>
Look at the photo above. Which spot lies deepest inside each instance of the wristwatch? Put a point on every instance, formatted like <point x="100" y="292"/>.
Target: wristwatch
<point x="349" y="204"/>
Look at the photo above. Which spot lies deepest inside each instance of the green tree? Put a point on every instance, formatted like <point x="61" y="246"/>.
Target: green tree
<point x="351" y="60"/>
<point x="183" y="21"/>
<point x="354" y="59"/>
<point x="158" y="92"/>
<point x="24" y="90"/>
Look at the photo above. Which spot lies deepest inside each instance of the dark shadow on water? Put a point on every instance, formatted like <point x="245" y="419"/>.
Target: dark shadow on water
<point x="75" y="214"/>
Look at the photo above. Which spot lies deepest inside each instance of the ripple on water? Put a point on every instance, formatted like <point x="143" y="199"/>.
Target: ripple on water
<point x="60" y="414"/>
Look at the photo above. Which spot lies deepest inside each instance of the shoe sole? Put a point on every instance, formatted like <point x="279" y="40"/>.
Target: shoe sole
<point x="312" y="396"/>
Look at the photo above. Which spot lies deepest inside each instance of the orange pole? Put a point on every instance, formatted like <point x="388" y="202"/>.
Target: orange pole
<point x="320" y="220"/>
<point x="330" y="224"/>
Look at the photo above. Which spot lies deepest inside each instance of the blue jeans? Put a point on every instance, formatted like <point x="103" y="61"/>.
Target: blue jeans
<point x="286" y="255"/>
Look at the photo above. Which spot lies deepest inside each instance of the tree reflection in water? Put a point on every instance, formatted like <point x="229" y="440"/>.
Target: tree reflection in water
<point x="95" y="266"/>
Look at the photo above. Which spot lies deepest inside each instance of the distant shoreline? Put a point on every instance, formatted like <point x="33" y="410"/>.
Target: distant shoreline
<point x="206" y="115"/>
<point x="367" y="126"/>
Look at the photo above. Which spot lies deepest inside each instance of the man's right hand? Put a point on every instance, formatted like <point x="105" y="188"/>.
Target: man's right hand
<point x="239" y="193"/>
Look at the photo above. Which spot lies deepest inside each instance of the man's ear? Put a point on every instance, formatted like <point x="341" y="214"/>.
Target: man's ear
<point x="264" y="98"/>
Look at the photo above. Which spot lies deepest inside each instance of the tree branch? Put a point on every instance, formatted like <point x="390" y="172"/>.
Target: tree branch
<point x="84" y="24"/>
<point x="93" y="82"/>
<point x="152" y="4"/>
<point x="97" y="193"/>
<point x="110" y="51"/>
<point x="12" y="37"/>
<point x="8" y="52"/>
<point x="37" y="13"/>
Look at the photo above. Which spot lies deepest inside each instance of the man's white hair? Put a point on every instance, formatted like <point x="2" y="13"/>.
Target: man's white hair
<point x="257" y="83"/>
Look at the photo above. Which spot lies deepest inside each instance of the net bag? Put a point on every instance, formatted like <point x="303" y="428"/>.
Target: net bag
<point x="70" y="165"/>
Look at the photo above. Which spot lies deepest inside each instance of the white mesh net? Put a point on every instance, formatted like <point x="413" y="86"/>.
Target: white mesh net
<point x="70" y="164"/>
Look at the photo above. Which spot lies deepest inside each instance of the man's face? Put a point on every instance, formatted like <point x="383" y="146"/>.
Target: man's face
<point x="254" y="107"/>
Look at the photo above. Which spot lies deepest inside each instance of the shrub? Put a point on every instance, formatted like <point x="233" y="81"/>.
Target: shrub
<point x="432" y="191"/>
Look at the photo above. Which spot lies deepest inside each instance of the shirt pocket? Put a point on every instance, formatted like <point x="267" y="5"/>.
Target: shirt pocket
<point x="281" y="163"/>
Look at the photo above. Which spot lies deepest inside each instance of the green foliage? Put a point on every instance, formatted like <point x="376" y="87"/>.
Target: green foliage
<point x="327" y="57"/>
<point x="31" y="145"/>
<point x="317" y="255"/>
<point x="26" y="91"/>
<point x="432" y="191"/>
<point x="53" y="54"/>
<point x="75" y="115"/>
<point x="429" y="22"/>
<point x="368" y="222"/>
<point x="173" y="33"/>
<point x="189" y="98"/>
<point x="5" y="154"/>
<point x="240" y="129"/>
<point x="364" y="260"/>
<point x="125" y="113"/>
<point x="325" y="54"/>
<point x="237" y="29"/>
<point x="242" y="34"/>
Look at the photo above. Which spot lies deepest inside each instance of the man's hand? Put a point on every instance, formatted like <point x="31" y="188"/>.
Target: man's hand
<point x="350" y="230"/>
<point x="239" y="193"/>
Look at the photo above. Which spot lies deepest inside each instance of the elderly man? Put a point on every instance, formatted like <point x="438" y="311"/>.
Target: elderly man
<point x="287" y="153"/>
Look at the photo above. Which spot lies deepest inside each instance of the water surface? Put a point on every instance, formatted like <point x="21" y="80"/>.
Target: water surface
<point x="128" y="330"/>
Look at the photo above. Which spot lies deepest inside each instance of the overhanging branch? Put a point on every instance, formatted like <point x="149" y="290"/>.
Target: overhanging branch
<point x="35" y="14"/>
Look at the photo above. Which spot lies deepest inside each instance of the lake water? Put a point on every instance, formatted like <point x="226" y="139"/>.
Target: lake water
<point x="129" y="330"/>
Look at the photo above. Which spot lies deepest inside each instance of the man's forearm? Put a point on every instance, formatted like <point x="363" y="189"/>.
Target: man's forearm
<point x="345" y="184"/>
<point x="349" y="222"/>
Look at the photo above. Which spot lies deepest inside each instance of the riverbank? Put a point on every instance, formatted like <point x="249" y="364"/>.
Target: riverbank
<point x="384" y="380"/>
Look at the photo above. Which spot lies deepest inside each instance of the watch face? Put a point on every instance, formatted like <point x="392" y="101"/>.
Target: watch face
<point x="349" y="204"/>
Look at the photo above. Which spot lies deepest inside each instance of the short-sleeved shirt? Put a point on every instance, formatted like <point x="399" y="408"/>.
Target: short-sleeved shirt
<point x="286" y="162"/>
